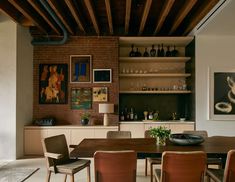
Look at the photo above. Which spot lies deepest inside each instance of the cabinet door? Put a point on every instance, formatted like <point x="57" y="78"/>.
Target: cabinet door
<point x="78" y="134"/>
<point x="33" y="141"/>
<point x="180" y="127"/>
<point x="102" y="132"/>
<point x="137" y="130"/>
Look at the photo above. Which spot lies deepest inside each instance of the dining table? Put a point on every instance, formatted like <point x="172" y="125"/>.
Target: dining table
<point x="215" y="146"/>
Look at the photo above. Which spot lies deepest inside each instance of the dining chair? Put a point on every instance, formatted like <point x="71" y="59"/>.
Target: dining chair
<point x="115" y="166"/>
<point x="118" y="134"/>
<point x="226" y="175"/>
<point x="56" y="153"/>
<point x="152" y="161"/>
<point x="204" y="134"/>
<point x="181" y="166"/>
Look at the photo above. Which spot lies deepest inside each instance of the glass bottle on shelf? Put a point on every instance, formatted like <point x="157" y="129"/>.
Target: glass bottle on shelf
<point x="137" y="53"/>
<point x="146" y="54"/>
<point x="122" y="117"/>
<point x="132" y="52"/>
<point x="153" y="51"/>
<point x="174" y="52"/>
<point x="159" y="50"/>
<point x="162" y="52"/>
<point x="131" y="113"/>
<point x="168" y="52"/>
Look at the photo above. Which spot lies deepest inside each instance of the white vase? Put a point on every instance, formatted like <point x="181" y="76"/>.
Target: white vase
<point x="161" y="141"/>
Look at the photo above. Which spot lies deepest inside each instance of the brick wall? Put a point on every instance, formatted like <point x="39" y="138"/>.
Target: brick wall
<point x="104" y="52"/>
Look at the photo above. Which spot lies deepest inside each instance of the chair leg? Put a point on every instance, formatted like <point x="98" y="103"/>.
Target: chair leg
<point x="72" y="177"/>
<point x="48" y="176"/>
<point x="65" y="178"/>
<point x="151" y="172"/>
<point x="88" y="174"/>
<point x="146" y="166"/>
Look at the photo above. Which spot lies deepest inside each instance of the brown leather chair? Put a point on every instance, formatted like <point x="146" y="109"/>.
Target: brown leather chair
<point x="182" y="166"/>
<point x="150" y="160"/>
<point x="118" y="134"/>
<point x="204" y="134"/>
<point x="57" y="157"/>
<point x="115" y="166"/>
<point x="226" y="175"/>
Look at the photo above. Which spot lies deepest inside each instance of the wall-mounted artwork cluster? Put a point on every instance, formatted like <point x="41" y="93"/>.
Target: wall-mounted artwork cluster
<point x="53" y="83"/>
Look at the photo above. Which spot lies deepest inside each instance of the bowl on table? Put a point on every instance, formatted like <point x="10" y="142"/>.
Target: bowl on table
<point x="186" y="139"/>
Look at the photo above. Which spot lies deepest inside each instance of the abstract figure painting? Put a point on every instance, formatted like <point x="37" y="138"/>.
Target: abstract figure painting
<point x="222" y="94"/>
<point x="100" y="94"/>
<point x="53" y="83"/>
<point x="81" y="98"/>
<point x="80" y="68"/>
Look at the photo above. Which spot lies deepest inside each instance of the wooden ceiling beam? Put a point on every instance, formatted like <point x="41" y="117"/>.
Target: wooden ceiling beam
<point x="25" y="11"/>
<point x="145" y="16"/>
<point x="199" y="15"/>
<point x="54" y="6"/>
<point x="109" y="14"/>
<point x="40" y="12"/>
<point x="163" y="14"/>
<point x="127" y="16"/>
<point x="75" y="14"/>
<point x="182" y="14"/>
<point x="92" y="15"/>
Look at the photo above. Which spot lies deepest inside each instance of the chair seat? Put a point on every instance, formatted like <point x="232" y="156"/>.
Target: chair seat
<point x="72" y="166"/>
<point x="216" y="174"/>
<point x="155" y="160"/>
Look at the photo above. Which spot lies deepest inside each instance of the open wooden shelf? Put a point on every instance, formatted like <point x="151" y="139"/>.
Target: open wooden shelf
<point x="157" y="75"/>
<point x="153" y="59"/>
<point x="156" y="92"/>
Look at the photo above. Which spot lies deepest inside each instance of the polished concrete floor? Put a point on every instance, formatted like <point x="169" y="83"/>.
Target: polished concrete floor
<point x="40" y="175"/>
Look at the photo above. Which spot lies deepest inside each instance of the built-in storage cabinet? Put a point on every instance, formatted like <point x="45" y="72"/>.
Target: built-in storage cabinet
<point x="156" y="76"/>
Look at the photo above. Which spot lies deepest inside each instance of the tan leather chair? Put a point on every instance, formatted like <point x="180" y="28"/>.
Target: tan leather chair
<point x="56" y="152"/>
<point x="204" y="134"/>
<point x="150" y="160"/>
<point x="118" y="134"/>
<point x="182" y="167"/>
<point x="226" y="175"/>
<point x="115" y="166"/>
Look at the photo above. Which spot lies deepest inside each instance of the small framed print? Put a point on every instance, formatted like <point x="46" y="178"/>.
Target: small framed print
<point x="102" y="75"/>
<point x="81" y="98"/>
<point x="80" y="68"/>
<point x="100" y="94"/>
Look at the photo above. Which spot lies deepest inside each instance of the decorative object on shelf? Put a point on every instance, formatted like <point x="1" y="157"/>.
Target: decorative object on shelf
<point x="81" y="98"/>
<point x="161" y="134"/>
<point x="137" y="53"/>
<point x="162" y="52"/>
<point x="186" y="139"/>
<point x="156" y="116"/>
<point x="45" y="122"/>
<point x="168" y="52"/>
<point x="106" y="109"/>
<point x="53" y="82"/>
<point x="174" y="52"/>
<point x="102" y="75"/>
<point x="158" y="50"/>
<point x="100" y="94"/>
<point x="174" y="116"/>
<point x="80" y="68"/>
<point x="153" y="51"/>
<point x="146" y="54"/>
<point x="85" y="118"/>
<point x="132" y="52"/>
<point x="222" y="93"/>
<point x="145" y="115"/>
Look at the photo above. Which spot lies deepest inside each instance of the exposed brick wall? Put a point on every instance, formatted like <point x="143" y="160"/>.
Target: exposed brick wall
<point x="104" y="52"/>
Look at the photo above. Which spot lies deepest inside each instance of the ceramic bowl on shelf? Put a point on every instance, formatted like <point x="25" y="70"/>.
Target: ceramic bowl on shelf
<point x="186" y="139"/>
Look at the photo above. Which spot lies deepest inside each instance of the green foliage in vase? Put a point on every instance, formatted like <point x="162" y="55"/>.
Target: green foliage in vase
<point x="85" y="115"/>
<point x="161" y="132"/>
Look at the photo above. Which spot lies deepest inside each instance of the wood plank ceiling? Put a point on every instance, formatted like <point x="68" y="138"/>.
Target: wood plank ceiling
<point x="109" y="17"/>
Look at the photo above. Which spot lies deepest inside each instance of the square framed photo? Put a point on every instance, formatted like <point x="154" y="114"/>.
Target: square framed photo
<point x="102" y="75"/>
<point x="53" y="80"/>
<point x="222" y="94"/>
<point x="100" y="94"/>
<point x="81" y="98"/>
<point x="80" y="69"/>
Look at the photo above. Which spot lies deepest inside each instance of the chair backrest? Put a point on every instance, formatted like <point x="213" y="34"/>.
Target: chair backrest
<point x="202" y="133"/>
<point x="56" y="144"/>
<point x="229" y="171"/>
<point x="118" y="134"/>
<point x="183" y="166"/>
<point x="147" y="134"/>
<point x="115" y="166"/>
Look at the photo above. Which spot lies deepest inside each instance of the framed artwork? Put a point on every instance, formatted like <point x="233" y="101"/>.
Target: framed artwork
<point x="80" y="68"/>
<point x="222" y="94"/>
<point x="53" y="82"/>
<point x="81" y="98"/>
<point x="102" y="75"/>
<point x="100" y="94"/>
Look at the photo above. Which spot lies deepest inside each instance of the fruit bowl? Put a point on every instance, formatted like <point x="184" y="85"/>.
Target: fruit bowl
<point x="186" y="139"/>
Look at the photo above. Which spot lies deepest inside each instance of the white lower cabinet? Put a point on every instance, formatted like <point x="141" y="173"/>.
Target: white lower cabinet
<point x="33" y="135"/>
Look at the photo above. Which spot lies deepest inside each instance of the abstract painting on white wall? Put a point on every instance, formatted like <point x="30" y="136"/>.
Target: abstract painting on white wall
<point x="222" y="94"/>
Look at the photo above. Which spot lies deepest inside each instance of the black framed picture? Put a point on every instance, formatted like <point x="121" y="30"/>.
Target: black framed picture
<point x="102" y="75"/>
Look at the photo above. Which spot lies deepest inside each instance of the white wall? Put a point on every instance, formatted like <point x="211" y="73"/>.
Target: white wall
<point x="7" y="89"/>
<point x="216" y="52"/>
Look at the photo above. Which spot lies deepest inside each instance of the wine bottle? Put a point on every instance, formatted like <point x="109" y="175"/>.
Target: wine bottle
<point x="174" y="52"/>
<point x="162" y="52"/>
<point x="168" y="52"/>
<point x="153" y="51"/>
<point x="137" y="53"/>
<point x="132" y="52"/>
<point x="146" y="54"/>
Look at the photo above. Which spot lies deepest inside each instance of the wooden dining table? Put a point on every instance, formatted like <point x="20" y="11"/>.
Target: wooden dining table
<point x="216" y="146"/>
